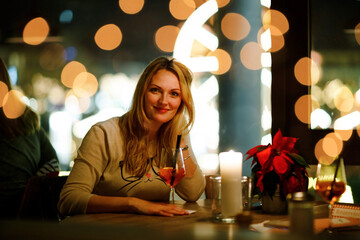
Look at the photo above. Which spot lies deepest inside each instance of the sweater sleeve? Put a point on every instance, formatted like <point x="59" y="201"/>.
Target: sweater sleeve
<point x="190" y="188"/>
<point x="49" y="162"/>
<point x="88" y="167"/>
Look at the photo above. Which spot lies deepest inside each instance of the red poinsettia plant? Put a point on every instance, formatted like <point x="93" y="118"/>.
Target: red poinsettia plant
<point x="278" y="165"/>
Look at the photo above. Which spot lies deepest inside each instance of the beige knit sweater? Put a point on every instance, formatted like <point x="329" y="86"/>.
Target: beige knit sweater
<point x="97" y="170"/>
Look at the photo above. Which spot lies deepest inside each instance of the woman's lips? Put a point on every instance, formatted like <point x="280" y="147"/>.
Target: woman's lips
<point x="161" y="110"/>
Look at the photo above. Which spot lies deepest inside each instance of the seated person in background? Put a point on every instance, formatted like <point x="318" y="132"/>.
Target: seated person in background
<point x="25" y="151"/>
<point x="117" y="166"/>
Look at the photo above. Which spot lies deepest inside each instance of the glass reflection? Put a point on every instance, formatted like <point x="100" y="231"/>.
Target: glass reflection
<point x="336" y="52"/>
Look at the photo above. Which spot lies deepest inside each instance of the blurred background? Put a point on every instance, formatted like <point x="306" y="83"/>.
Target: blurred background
<point x="259" y="66"/>
<point x="77" y="62"/>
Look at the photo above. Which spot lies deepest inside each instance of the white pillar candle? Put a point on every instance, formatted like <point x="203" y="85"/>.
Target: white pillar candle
<point x="231" y="173"/>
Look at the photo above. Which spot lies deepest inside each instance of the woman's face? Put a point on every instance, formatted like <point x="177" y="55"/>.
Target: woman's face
<point x="163" y="97"/>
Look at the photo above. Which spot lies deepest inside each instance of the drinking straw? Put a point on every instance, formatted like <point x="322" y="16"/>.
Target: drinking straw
<point x="333" y="182"/>
<point x="176" y="150"/>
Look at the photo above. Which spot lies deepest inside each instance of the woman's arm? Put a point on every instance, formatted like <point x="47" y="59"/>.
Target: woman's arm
<point x="192" y="185"/>
<point x="130" y="204"/>
<point x="189" y="157"/>
<point x="92" y="158"/>
<point x="49" y="163"/>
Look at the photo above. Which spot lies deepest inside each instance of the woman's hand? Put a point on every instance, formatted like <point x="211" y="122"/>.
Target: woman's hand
<point x="155" y="208"/>
<point x="99" y="204"/>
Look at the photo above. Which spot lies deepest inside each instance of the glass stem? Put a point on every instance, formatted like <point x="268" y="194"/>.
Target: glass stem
<point x="172" y="195"/>
<point x="330" y="217"/>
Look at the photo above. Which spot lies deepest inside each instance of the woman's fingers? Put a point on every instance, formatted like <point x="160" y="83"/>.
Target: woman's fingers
<point x="175" y="210"/>
<point x="153" y="208"/>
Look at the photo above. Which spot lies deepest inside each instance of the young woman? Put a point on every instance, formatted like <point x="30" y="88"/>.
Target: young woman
<point x="25" y="151"/>
<point x="117" y="167"/>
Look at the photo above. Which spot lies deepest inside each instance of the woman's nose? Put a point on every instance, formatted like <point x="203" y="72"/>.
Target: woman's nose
<point x="163" y="99"/>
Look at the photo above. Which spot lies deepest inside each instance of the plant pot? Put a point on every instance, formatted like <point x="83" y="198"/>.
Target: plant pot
<point x="275" y="204"/>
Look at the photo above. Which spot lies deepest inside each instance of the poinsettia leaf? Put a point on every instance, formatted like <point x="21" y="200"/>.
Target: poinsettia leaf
<point x="288" y="143"/>
<point x="286" y="157"/>
<point x="281" y="165"/>
<point x="255" y="150"/>
<point x="277" y="139"/>
<point x="299" y="159"/>
<point x="259" y="183"/>
<point x="263" y="158"/>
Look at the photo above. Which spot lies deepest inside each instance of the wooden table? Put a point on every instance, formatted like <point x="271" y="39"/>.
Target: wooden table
<point x="198" y="225"/>
<point x="202" y="214"/>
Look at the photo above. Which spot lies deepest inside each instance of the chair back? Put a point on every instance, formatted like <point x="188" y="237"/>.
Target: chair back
<point x="40" y="198"/>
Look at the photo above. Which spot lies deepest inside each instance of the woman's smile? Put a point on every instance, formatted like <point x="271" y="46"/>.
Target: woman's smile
<point x="161" y="110"/>
<point x="162" y="98"/>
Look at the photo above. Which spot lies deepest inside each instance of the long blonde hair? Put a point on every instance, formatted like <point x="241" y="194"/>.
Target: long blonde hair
<point x="132" y="124"/>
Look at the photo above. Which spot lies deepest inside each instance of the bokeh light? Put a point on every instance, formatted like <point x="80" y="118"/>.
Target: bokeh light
<point x="357" y="97"/>
<point x="320" y="119"/>
<point x="108" y="37"/>
<point x="76" y="104"/>
<point x="165" y="37"/>
<point x="84" y="104"/>
<point x="348" y="121"/>
<point x="321" y="155"/>
<point x="343" y="134"/>
<point x="224" y="60"/>
<point x="3" y="91"/>
<point x="302" y="110"/>
<point x="13" y="107"/>
<point x="115" y="90"/>
<point x="209" y="163"/>
<point x="70" y="71"/>
<point x="250" y="55"/>
<point x="266" y="60"/>
<point x="343" y="99"/>
<point x="266" y="77"/>
<point x="278" y="25"/>
<point x="317" y="57"/>
<point x="276" y="41"/>
<point x="266" y="3"/>
<point x="13" y="74"/>
<point x="181" y="9"/>
<point x="66" y="16"/>
<point x="307" y="72"/>
<point x="264" y="38"/>
<point x="56" y="95"/>
<point x="70" y="54"/>
<point x="36" y="31"/>
<point x="332" y="145"/>
<point x="357" y="33"/>
<point x="330" y="90"/>
<point x="72" y="102"/>
<point x="85" y="84"/>
<point x="277" y="19"/>
<point x="235" y="26"/>
<point x="131" y="6"/>
<point x="317" y="93"/>
<point x="222" y="3"/>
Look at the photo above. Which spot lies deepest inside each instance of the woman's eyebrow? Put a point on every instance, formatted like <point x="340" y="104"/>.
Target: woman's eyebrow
<point x="173" y="89"/>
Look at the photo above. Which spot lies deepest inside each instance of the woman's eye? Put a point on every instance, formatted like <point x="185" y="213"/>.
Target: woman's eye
<point x="154" y="90"/>
<point x="175" y="94"/>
